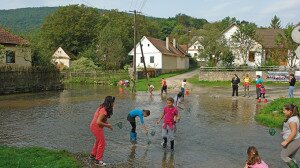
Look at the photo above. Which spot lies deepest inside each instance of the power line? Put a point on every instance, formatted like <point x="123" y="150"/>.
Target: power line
<point x="143" y="5"/>
<point x="130" y="5"/>
<point x="88" y="4"/>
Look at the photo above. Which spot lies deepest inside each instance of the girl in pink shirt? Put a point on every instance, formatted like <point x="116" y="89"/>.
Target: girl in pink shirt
<point x="254" y="160"/>
<point x="170" y="112"/>
<point x="99" y="121"/>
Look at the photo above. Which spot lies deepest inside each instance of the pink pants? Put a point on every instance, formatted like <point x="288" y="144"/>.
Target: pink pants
<point x="99" y="146"/>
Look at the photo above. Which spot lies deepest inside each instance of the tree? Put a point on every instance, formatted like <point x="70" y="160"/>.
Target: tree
<point x="275" y="23"/>
<point x="1" y="53"/>
<point x="215" y="44"/>
<point x="285" y="41"/>
<point x="243" y="40"/>
<point x="71" y="27"/>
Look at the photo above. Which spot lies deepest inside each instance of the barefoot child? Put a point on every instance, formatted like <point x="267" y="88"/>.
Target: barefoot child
<point x="170" y="111"/>
<point x="291" y="135"/>
<point x="254" y="161"/>
<point x="99" y="121"/>
<point x="151" y="89"/>
<point x="131" y="118"/>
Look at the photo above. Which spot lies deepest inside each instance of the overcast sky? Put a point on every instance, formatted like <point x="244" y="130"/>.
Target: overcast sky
<point x="257" y="11"/>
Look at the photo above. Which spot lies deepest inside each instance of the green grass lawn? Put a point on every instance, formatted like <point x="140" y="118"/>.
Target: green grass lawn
<point x="141" y="84"/>
<point x="271" y="115"/>
<point x="35" y="157"/>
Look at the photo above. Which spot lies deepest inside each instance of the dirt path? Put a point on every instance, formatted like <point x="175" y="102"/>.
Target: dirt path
<point x="272" y="92"/>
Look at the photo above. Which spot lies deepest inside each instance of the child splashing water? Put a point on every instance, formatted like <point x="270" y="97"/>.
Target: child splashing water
<point x="131" y="118"/>
<point x="170" y="111"/>
<point x="291" y="135"/>
<point x="254" y="161"/>
<point x="104" y="111"/>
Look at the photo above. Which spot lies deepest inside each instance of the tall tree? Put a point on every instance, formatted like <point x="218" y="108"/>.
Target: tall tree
<point x="71" y="27"/>
<point x="285" y="41"/>
<point x="275" y="23"/>
<point x="215" y="45"/>
<point x="243" y="40"/>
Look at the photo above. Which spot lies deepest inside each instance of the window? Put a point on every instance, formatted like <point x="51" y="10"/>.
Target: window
<point x="151" y="59"/>
<point x="251" y="56"/>
<point x="148" y="45"/>
<point x="195" y="47"/>
<point x="195" y="54"/>
<point x="10" y="56"/>
<point x="142" y="59"/>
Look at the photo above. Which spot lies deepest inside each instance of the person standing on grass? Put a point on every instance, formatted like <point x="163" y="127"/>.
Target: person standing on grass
<point x="258" y="83"/>
<point x="164" y="86"/>
<point x="103" y="112"/>
<point x="235" y="85"/>
<point x="292" y="83"/>
<point x="291" y="135"/>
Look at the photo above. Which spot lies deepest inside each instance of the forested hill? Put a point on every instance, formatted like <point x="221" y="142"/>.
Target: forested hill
<point x="24" y="19"/>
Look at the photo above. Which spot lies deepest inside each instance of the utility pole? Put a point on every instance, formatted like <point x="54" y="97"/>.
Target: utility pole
<point x="133" y="89"/>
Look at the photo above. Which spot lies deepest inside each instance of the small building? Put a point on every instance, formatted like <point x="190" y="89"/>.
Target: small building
<point x="16" y="49"/>
<point x="161" y="55"/>
<point x="61" y="58"/>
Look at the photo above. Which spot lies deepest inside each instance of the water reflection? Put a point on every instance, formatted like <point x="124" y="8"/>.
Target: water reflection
<point x="219" y="127"/>
<point x="167" y="162"/>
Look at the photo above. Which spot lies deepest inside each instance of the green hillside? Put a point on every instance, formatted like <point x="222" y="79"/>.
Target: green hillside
<point x="24" y="19"/>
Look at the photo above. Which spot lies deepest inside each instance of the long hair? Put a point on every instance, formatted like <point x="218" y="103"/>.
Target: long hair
<point x="292" y="108"/>
<point x="108" y="105"/>
<point x="253" y="156"/>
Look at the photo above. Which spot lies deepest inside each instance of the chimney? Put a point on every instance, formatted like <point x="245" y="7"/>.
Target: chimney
<point x="174" y="43"/>
<point x="167" y="43"/>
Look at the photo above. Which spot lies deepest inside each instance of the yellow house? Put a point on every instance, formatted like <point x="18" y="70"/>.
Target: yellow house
<point x="61" y="58"/>
<point x="16" y="50"/>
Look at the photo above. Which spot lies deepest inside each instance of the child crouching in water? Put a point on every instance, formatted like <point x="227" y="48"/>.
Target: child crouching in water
<point x="131" y="118"/>
<point x="170" y="111"/>
<point x="254" y="161"/>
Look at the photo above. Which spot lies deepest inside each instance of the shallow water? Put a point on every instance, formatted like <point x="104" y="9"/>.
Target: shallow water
<point x="215" y="130"/>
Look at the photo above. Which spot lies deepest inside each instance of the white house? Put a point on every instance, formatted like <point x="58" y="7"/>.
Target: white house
<point x="254" y="55"/>
<point x="61" y="58"/>
<point x="161" y="55"/>
<point x="193" y="50"/>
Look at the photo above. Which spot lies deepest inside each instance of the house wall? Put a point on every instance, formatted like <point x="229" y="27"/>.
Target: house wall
<point x="149" y="50"/>
<point x="21" y="55"/>
<point x="169" y="63"/>
<point x="64" y="61"/>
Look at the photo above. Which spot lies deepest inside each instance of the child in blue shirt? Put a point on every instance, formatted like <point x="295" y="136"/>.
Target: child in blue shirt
<point x="131" y="118"/>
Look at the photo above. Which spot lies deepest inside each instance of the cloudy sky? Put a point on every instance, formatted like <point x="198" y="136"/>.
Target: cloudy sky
<point x="258" y="11"/>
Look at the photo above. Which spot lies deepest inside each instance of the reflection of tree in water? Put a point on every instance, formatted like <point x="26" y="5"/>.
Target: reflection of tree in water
<point x="167" y="163"/>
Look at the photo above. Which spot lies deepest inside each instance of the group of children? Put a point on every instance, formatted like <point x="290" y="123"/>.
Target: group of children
<point x="170" y="116"/>
<point x="260" y="88"/>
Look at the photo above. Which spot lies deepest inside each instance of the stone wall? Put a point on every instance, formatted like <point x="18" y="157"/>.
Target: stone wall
<point x="28" y="80"/>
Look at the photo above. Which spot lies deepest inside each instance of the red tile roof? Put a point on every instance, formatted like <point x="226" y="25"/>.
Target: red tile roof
<point x="267" y="37"/>
<point x="8" y="38"/>
<point x="161" y="46"/>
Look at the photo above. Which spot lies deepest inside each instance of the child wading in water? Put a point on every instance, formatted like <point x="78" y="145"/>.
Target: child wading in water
<point x="291" y="135"/>
<point x="131" y="118"/>
<point x="99" y="121"/>
<point x="169" y="113"/>
<point x="254" y="161"/>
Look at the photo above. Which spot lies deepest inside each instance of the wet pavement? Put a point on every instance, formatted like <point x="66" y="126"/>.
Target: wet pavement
<point x="215" y="129"/>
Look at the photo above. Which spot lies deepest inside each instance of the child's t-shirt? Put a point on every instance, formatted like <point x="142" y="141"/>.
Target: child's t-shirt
<point x="169" y="116"/>
<point x="94" y="125"/>
<point x="183" y="84"/>
<point x="135" y="113"/>
<point x="262" y="90"/>
<point x="260" y="165"/>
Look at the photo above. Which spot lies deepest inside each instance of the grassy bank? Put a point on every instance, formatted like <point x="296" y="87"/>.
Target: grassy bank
<point x="271" y="115"/>
<point x="195" y="80"/>
<point x="31" y="157"/>
<point x="141" y="84"/>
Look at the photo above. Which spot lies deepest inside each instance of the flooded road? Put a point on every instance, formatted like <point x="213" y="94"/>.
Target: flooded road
<point x="215" y="130"/>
